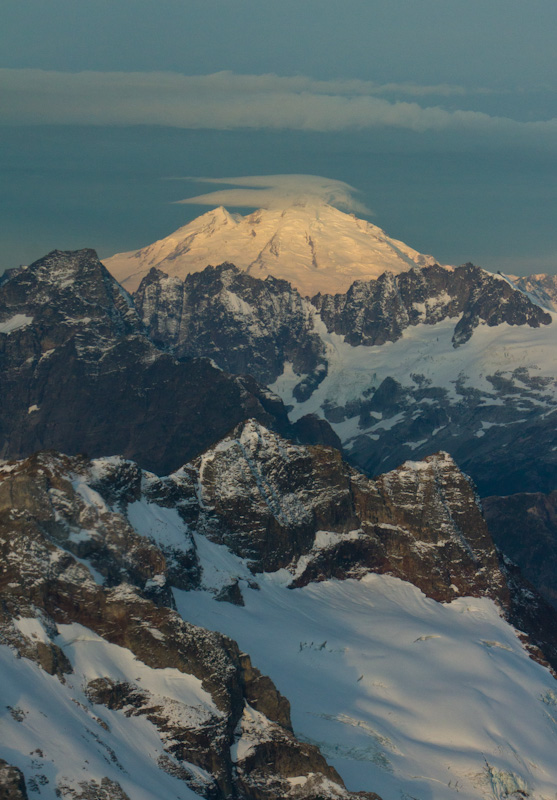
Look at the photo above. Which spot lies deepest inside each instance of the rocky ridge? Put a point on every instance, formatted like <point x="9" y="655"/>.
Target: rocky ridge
<point x="540" y="288"/>
<point x="245" y="324"/>
<point x="70" y="338"/>
<point x="375" y="312"/>
<point x="524" y="526"/>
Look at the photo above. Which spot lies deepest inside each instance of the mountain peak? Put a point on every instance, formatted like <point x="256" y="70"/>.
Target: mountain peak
<point x="308" y="242"/>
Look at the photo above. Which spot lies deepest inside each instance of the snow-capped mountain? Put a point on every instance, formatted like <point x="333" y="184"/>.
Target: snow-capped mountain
<point x="313" y="245"/>
<point x="409" y="650"/>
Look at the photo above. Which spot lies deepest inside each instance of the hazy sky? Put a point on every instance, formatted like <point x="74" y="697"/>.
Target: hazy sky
<point x="442" y="113"/>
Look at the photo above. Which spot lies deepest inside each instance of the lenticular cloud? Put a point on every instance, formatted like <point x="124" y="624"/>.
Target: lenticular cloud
<point x="278" y="191"/>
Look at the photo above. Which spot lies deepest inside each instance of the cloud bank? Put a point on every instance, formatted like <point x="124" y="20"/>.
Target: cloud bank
<point x="278" y="191"/>
<point x="226" y="101"/>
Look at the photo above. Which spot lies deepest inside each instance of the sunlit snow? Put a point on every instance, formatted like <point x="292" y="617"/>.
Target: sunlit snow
<point x="311" y="244"/>
<point x="404" y="696"/>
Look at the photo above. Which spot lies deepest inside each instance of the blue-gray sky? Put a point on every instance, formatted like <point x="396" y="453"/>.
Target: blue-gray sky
<point x="443" y="114"/>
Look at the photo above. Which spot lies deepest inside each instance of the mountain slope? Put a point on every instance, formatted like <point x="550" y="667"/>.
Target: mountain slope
<point x="541" y="288"/>
<point x="313" y="245"/>
<point x="115" y="695"/>
<point x="245" y="324"/>
<point x="524" y="526"/>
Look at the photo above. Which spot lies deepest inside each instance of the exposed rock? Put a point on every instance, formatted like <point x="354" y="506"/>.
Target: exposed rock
<point x="50" y="506"/>
<point x="231" y="594"/>
<point x="528" y="611"/>
<point x="265" y="497"/>
<point x="269" y="330"/>
<point x="312" y="429"/>
<point x="541" y="288"/>
<point x="105" y="789"/>
<point x="245" y="324"/>
<point x="12" y="783"/>
<point x="49" y="489"/>
<point x="375" y="312"/>
<point x="79" y="375"/>
<point x="421" y="523"/>
<point x="512" y="427"/>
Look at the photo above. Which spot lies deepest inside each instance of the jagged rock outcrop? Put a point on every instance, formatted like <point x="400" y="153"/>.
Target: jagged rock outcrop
<point x="415" y="403"/>
<point x="281" y="505"/>
<point x="375" y="312"/>
<point x="506" y="439"/>
<point x="245" y="324"/>
<point x="78" y="373"/>
<point x="267" y="499"/>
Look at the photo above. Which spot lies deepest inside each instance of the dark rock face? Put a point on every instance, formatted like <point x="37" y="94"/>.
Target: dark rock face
<point x="105" y="789"/>
<point x="258" y="326"/>
<point x="528" y="611"/>
<point x="245" y="324"/>
<point x="77" y="374"/>
<point x="524" y="526"/>
<point x="273" y="502"/>
<point x="265" y="498"/>
<point x="375" y="312"/>
<point x="42" y="487"/>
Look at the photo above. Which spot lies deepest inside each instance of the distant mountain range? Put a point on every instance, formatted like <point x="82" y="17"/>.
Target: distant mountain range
<point x="241" y="560"/>
<point x="401" y="367"/>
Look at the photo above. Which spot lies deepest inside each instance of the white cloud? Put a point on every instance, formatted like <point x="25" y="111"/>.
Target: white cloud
<point x="226" y="101"/>
<point x="272" y="191"/>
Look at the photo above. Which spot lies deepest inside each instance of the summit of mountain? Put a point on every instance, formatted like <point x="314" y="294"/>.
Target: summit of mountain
<point x="311" y="244"/>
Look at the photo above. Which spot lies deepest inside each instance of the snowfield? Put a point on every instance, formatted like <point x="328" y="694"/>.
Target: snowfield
<point x="405" y="696"/>
<point x="424" y="350"/>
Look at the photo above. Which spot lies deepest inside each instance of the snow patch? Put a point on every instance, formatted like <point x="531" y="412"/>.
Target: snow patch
<point x="164" y="526"/>
<point x="15" y="323"/>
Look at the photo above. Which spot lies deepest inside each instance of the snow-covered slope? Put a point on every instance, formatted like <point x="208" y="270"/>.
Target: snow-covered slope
<point x="311" y="244"/>
<point x="491" y="403"/>
<point x="109" y="694"/>
<point x="418" y="699"/>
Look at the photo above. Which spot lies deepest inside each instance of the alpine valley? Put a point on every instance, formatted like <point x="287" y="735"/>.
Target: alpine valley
<point x="281" y="523"/>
